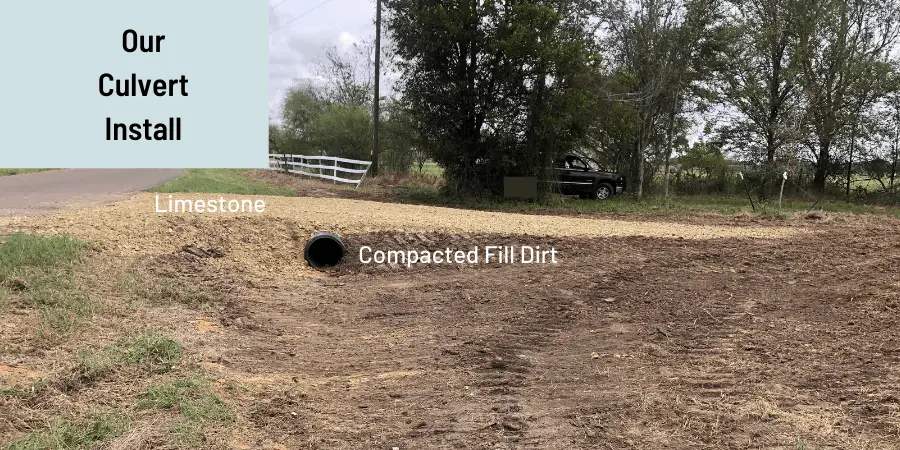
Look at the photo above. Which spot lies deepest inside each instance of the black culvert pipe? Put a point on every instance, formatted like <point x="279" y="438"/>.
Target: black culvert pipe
<point x="324" y="250"/>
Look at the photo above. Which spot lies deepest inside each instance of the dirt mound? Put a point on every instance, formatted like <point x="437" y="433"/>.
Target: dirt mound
<point x="271" y="244"/>
<point x="363" y="246"/>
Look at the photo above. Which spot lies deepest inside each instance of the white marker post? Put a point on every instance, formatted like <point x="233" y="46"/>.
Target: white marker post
<point x="781" y="194"/>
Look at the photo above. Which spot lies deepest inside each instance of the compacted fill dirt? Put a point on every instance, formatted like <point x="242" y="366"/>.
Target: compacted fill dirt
<point x="644" y="335"/>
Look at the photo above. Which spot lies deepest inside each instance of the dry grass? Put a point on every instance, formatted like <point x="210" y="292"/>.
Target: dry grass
<point x="85" y="390"/>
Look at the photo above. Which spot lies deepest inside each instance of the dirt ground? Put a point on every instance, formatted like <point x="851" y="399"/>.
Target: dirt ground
<point x="644" y="335"/>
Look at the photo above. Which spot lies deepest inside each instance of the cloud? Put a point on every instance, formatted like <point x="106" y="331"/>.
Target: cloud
<point x="300" y="34"/>
<point x="346" y="40"/>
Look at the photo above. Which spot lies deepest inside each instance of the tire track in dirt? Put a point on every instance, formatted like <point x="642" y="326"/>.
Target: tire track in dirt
<point x="768" y="351"/>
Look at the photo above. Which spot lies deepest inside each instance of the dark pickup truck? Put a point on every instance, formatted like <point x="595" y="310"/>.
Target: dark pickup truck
<point x="576" y="177"/>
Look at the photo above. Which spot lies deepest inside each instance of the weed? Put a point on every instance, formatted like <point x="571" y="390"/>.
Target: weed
<point x="65" y="435"/>
<point x="157" y="353"/>
<point x="94" y="363"/>
<point x="196" y="403"/>
<point x="171" y="291"/>
<point x="151" y="352"/>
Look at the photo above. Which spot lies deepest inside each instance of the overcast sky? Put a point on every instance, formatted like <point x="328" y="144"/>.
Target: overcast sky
<point x="301" y="30"/>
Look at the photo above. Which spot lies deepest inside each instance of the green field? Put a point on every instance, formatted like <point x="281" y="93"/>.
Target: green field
<point x="222" y="181"/>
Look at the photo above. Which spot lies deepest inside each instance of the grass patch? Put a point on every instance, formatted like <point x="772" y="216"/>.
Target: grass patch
<point x="624" y="204"/>
<point x="39" y="272"/>
<point x="429" y="169"/>
<point x="222" y="181"/>
<point x="153" y="353"/>
<point x="10" y="392"/>
<point x="65" y="435"/>
<point x="196" y="403"/>
<point x="7" y="172"/>
<point x="32" y="251"/>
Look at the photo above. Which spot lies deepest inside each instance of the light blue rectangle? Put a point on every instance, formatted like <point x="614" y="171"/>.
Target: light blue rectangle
<point x="53" y="52"/>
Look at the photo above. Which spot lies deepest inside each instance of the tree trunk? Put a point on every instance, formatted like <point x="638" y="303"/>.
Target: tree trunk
<point x="850" y="164"/>
<point x="823" y="165"/>
<point x="769" y="168"/>
<point x="669" y="132"/>
<point x="640" y="162"/>
<point x="894" y="162"/>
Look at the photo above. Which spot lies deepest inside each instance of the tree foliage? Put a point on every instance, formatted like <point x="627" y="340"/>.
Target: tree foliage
<point x="494" y="88"/>
<point x="499" y="87"/>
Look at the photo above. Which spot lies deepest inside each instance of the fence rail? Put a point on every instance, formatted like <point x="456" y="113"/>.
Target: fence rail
<point x="297" y="163"/>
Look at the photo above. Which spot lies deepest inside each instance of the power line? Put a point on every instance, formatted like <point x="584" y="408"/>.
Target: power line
<point x="276" y="5"/>
<point x="301" y="15"/>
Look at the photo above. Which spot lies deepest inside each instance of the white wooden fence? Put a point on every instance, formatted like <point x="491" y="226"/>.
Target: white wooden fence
<point x="316" y="166"/>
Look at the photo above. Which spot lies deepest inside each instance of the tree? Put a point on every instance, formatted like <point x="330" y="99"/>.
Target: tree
<point x="331" y="117"/>
<point x="498" y="88"/>
<point x="842" y="56"/>
<point x="399" y="141"/>
<point x="302" y="103"/>
<point x="349" y="76"/>
<point x="662" y="46"/>
<point x="342" y="131"/>
<point x="759" y="77"/>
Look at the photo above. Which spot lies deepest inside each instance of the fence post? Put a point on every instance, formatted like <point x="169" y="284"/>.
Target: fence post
<point x="363" y="177"/>
<point x="781" y="194"/>
<point x="335" y="172"/>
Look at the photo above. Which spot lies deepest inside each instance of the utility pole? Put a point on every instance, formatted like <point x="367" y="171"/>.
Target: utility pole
<point x="375" y="112"/>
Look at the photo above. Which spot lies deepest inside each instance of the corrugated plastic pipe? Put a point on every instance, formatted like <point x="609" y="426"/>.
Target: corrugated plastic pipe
<point x="324" y="250"/>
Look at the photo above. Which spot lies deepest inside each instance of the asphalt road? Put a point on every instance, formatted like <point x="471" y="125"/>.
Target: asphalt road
<point x="43" y="192"/>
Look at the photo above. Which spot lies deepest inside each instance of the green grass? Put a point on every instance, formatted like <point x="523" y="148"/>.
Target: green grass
<point x="429" y="169"/>
<point x="196" y="403"/>
<point x="7" y="172"/>
<point x="154" y="353"/>
<point x="222" y="181"/>
<point x="9" y="392"/>
<point x="66" y="435"/>
<point x="39" y="272"/>
<point x="36" y="251"/>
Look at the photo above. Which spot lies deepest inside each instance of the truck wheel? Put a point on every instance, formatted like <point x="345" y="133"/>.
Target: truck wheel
<point x="603" y="191"/>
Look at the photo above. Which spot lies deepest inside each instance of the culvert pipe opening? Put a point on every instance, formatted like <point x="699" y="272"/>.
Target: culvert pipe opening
<point x="324" y="250"/>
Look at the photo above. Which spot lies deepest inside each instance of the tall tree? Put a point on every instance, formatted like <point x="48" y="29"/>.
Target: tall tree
<point x="759" y="77"/>
<point x="496" y="86"/>
<point x="658" y="43"/>
<point x="843" y="47"/>
<point x="348" y="76"/>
